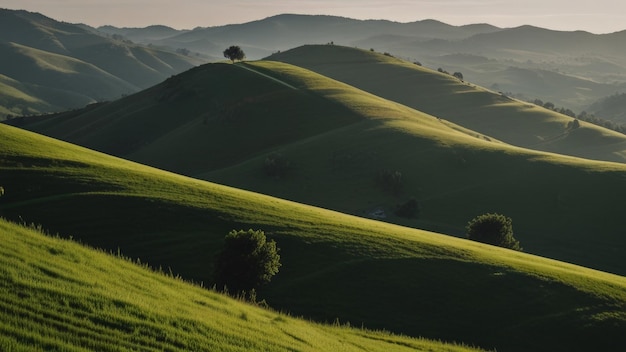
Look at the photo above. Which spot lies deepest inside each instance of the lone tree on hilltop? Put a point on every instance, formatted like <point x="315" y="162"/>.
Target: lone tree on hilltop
<point x="234" y="53"/>
<point x="494" y="229"/>
<point x="247" y="261"/>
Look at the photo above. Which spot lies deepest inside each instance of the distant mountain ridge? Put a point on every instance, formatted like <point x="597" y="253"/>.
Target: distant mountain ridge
<point x="281" y="32"/>
<point x="582" y="67"/>
<point x="62" y="66"/>
<point x="576" y="59"/>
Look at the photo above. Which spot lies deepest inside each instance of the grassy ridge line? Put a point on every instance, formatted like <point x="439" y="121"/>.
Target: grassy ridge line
<point x="56" y="294"/>
<point x="244" y="66"/>
<point x="335" y="265"/>
<point x="479" y="109"/>
<point x="371" y="107"/>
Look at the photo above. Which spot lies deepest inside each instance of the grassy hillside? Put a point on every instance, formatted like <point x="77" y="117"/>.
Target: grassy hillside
<point x="58" y="295"/>
<point x="76" y="82"/>
<point x="224" y="123"/>
<point x="611" y="108"/>
<point x="69" y="66"/>
<point x="335" y="266"/>
<point x="16" y="97"/>
<point x="444" y="96"/>
<point x="514" y="57"/>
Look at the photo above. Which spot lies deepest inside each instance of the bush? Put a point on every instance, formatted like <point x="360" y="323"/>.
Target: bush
<point x="574" y="124"/>
<point x="247" y="261"/>
<point x="494" y="229"/>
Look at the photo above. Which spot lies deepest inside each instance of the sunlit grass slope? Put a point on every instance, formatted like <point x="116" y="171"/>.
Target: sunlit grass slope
<point x="444" y="96"/>
<point x="58" y="80"/>
<point x="221" y="122"/>
<point x="15" y="97"/>
<point x="335" y="266"/>
<point x="58" y="295"/>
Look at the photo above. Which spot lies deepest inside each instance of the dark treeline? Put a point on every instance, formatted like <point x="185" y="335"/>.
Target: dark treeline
<point x="584" y="116"/>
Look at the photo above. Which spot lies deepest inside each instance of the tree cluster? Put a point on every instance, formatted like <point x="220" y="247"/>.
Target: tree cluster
<point x="583" y="116"/>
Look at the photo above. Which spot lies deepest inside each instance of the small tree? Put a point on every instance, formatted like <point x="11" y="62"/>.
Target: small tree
<point x="234" y="53"/>
<point x="247" y="261"/>
<point x="458" y="75"/>
<point x="494" y="229"/>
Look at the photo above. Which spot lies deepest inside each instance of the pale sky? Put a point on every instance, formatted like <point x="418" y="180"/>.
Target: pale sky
<point x="596" y="16"/>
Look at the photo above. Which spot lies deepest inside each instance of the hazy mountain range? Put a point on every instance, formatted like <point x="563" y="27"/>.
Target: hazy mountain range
<point x="569" y="69"/>
<point x="572" y="70"/>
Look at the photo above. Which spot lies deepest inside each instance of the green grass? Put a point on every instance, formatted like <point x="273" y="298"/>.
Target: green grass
<point x="220" y="122"/>
<point x="58" y="295"/>
<point x="335" y="266"/>
<point x="463" y="103"/>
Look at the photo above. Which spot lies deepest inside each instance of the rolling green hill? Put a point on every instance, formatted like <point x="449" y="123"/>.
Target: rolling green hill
<point x="67" y="66"/>
<point x="14" y="93"/>
<point x="225" y="123"/>
<point x="335" y="266"/>
<point x="58" y="295"/>
<point x="444" y="96"/>
<point x="62" y="80"/>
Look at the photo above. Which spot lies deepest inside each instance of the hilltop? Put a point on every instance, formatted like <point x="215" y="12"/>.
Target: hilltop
<point x="335" y="266"/>
<point x="442" y="95"/>
<point x="46" y="65"/>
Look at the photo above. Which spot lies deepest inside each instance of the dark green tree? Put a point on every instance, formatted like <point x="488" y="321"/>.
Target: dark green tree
<point x="247" y="261"/>
<point x="494" y="229"/>
<point x="234" y="53"/>
<point x="458" y="75"/>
